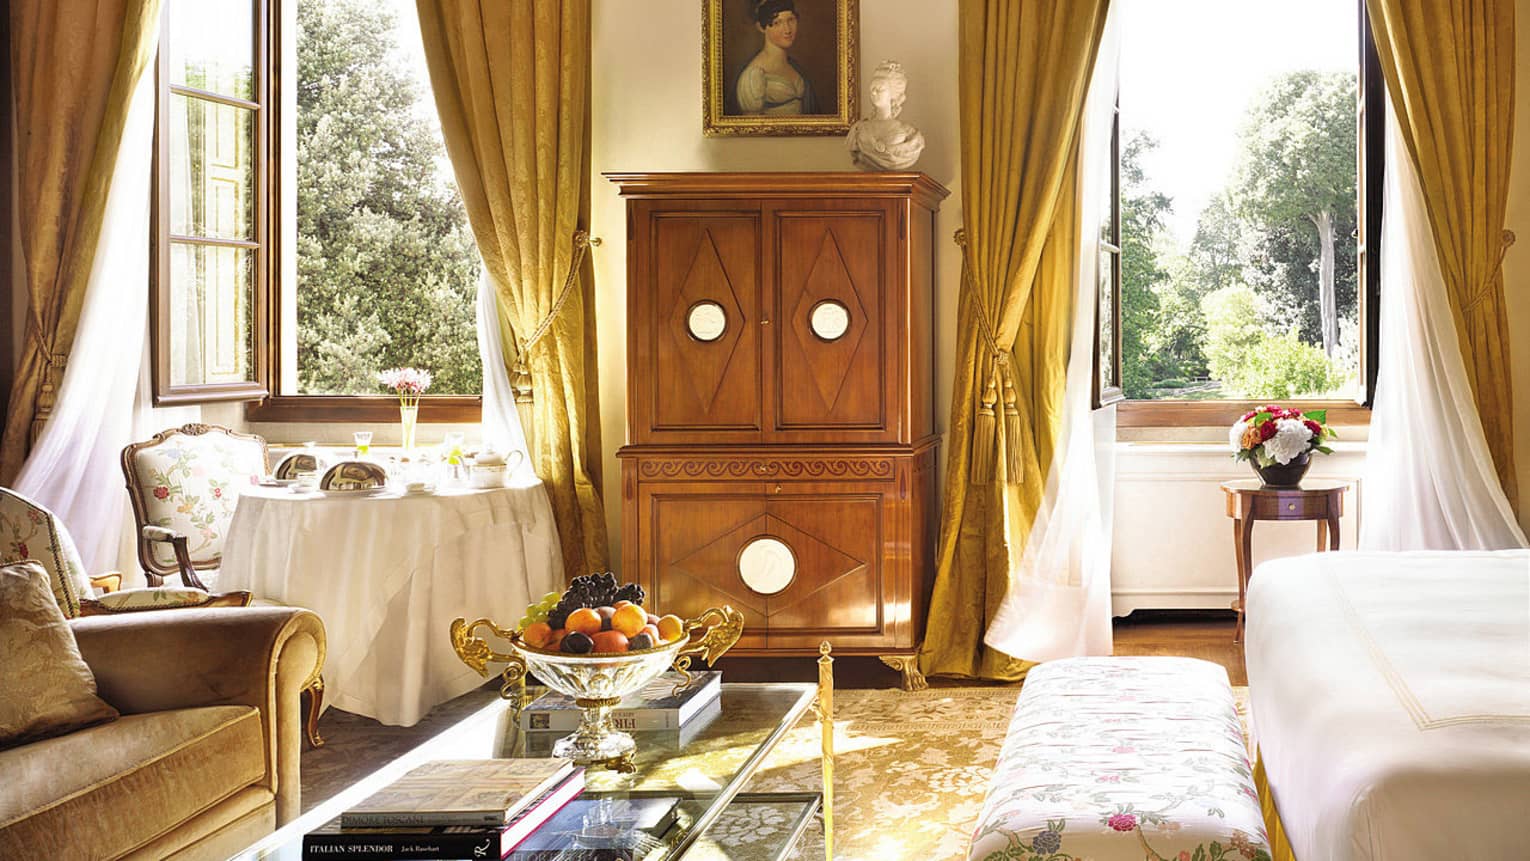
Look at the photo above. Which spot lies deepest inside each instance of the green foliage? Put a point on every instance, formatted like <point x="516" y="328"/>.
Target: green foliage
<point x="1252" y="363"/>
<point x="1243" y="303"/>
<point x="1142" y="221"/>
<point x="387" y="267"/>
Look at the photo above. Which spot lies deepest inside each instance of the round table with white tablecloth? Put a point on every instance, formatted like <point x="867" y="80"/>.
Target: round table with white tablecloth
<point x="388" y="573"/>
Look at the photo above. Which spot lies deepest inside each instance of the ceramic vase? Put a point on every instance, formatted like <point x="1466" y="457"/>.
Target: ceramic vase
<point x="1286" y="475"/>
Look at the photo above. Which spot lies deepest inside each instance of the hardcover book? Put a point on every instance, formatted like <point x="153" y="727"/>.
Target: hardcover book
<point x="540" y="742"/>
<point x="483" y="792"/>
<point x="402" y="843"/>
<point x="656" y="706"/>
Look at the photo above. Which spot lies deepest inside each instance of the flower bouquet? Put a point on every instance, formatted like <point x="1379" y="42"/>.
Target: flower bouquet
<point x="1278" y="442"/>
<point x="408" y="384"/>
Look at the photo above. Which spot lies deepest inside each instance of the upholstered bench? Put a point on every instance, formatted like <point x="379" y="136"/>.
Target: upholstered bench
<point x="1123" y="758"/>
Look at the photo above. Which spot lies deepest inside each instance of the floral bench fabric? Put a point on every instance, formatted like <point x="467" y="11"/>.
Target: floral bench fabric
<point x="1123" y="758"/>
<point x="30" y="531"/>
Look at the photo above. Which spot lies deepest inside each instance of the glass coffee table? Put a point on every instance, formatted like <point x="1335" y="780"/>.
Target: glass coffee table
<point x="706" y="766"/>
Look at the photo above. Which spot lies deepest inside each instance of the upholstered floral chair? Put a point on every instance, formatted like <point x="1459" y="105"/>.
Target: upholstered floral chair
<point x="30" y="531"/>
<point x="184" y="484"/>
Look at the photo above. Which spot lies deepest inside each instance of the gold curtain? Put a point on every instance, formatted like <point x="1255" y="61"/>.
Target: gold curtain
<point x="74" y="64"/>
<point x="512" y="84"/>
<point x="1025" y="69"/>
<point x="1449" y="68"/>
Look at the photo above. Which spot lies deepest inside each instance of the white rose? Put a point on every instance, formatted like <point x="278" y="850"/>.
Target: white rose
<point x="1235" y="436"/>
<point x="1290" y="440"/>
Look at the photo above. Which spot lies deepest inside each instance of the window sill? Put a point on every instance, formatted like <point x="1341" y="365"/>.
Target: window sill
<point x="1200" y="414"/>
<point x="459" y="409"/>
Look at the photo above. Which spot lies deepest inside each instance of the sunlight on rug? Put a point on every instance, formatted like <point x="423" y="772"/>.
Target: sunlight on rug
<point x="911" y="771"/>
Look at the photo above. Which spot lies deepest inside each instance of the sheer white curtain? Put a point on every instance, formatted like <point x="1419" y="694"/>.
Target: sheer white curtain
<point x="1429" y="477"/>
<point x="1058" y="601"/>
<point x="74" y="469"/>
<point x="502" y="430"/>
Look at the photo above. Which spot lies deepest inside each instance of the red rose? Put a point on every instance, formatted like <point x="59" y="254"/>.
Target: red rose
<point x="1317" y="429"/>
<point x="217" y="493"/>
<point x="22" y="549"/>
<point x="1266" y="430"/>
<point x="161" y="492"/>
<point x="1122" y="822"/>
<point x="1249" y="416"/>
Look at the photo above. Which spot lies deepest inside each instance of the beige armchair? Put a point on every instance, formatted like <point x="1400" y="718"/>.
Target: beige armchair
<point x="203" y="761"/>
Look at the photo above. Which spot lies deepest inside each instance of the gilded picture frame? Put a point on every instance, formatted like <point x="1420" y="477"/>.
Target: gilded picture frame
<point x="796" y="77"/>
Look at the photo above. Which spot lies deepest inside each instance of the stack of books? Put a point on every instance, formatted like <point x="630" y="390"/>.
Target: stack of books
<point x="657" y="706"/>
<point x="467" y="809"/>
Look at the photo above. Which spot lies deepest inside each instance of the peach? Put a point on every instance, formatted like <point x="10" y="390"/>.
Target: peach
<point x="610" y="641"/>
<point x="629" y="620"/>
<point x="671" y="628"/>
<point x="584" y="620"/>
<point x="537" y="634"/>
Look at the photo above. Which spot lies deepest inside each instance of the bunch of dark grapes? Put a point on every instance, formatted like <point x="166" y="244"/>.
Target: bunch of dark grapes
<point x="592" y="590"/>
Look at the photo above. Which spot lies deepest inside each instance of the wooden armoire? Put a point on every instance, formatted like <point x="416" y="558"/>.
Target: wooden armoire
<point x="781" y="440"/>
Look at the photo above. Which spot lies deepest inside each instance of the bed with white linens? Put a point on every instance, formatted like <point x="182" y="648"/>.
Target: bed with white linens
<point x="1390" y="698"/>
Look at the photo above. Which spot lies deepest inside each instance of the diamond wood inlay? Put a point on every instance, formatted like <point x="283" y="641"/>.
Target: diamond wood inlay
<point x="707" y="280"/>
<point x="716" y="563"/>
<point x="829" y="361"/>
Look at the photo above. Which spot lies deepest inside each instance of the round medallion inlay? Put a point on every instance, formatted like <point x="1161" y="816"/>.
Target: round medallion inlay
<point x="767" y="565"/>
<point x="829" y="319"/>
<point x="706" y="321"/>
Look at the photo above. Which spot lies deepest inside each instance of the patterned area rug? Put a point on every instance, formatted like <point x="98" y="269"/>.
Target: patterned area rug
<point x="911" y="771"/>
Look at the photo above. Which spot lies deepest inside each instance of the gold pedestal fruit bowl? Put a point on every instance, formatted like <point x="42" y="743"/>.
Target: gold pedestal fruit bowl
<point x="596" y="681"/>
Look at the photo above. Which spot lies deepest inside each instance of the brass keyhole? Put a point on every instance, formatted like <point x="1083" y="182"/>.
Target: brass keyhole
<point x="1290" y="506"/>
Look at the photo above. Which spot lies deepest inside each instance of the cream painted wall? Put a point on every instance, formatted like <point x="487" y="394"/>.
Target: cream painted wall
<point x="1516" y="265"/>
<point x="646" y="93"/>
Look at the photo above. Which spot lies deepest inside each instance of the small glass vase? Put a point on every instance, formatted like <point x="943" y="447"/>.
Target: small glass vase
<point x="408" y="416"/>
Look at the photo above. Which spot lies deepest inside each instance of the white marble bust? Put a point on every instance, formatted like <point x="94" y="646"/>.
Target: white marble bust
<point x="882" y="141"/>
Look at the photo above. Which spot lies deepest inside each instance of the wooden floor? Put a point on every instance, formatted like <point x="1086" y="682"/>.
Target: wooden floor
<point x="1204" y="634"/>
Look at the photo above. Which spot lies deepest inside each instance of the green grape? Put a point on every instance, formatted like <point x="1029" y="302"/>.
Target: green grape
<point x="551" y="599"/>
<point x="526" y="622"/>
<point x="537" y="614"/>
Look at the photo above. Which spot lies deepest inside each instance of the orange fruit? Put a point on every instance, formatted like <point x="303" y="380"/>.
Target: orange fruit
<point x="584" y="620"/>
<point x="555" y="639"/>
<point x="670" y="628"/>
<point x="620" y="604"/>
<point x="629" y="620"/>
<point x="537" y="634"/>
<point x="610" y="641"/>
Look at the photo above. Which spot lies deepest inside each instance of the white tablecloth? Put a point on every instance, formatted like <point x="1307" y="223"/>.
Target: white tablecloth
<point x="387" y="574"/>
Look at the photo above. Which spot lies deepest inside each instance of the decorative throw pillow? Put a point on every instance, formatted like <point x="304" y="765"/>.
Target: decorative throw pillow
<point x="159" y="598"/>
<point x="46" y="688"/>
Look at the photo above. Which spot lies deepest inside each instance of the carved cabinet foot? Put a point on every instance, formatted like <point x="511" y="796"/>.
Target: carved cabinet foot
<point x="913" y="680"/>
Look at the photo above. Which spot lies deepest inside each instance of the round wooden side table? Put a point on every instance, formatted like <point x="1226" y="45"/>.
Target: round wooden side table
<point x="1248" y="501"/>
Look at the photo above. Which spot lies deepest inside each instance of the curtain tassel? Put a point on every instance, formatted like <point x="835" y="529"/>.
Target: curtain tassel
<point x="985" y="432"/>
<point x="1014" y="464"/>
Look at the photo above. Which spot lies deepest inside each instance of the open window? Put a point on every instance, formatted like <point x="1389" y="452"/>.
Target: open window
<point x="311" y="233"/>
<point x="1246" y="213"/>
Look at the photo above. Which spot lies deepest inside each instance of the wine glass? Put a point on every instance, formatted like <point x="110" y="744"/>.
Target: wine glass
<point x="363" y="442"/>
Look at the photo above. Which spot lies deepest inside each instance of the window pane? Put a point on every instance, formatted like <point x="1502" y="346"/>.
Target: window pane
<point x="1107" y="320"/>
<point x="212" y="46"/>
<point x="211" y="314"/>
<point x="387" y="266"/>
<point x="211" y="169"/>
<point x="1238" y="199"/>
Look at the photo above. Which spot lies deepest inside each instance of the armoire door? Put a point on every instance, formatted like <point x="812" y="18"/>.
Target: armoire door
<point x="697" y="363"/>
<point x="834" y="339"/>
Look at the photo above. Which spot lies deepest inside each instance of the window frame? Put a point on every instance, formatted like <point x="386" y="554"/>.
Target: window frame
<point x="165" y="392"/>
<point x="1105" y="395"/>
<point x="263" y="399"/>
<point x="1370" y="176"/>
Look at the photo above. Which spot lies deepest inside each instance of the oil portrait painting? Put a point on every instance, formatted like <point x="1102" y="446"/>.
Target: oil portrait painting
<point x="779" y="67"/>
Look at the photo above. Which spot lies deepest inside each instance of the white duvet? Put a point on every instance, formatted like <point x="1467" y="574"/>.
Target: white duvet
<point x="1391" y="702"/>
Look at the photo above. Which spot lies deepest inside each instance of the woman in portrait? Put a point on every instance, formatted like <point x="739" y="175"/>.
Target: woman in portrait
<point x="772" y="83"/>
